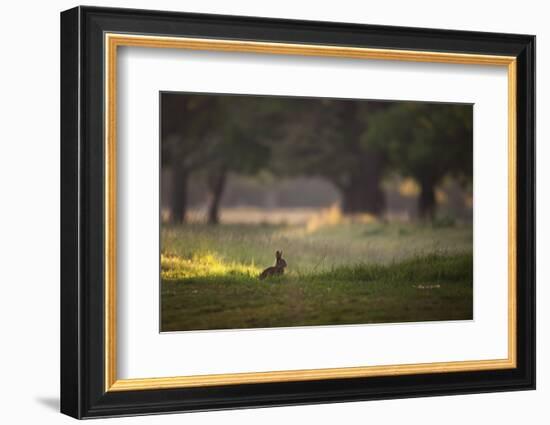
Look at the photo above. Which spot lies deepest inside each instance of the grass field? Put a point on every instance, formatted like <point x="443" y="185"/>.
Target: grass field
<point x="344" y="273"/>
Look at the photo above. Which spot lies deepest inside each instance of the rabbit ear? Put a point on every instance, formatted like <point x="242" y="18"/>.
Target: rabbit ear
<point x="278" y="254"/>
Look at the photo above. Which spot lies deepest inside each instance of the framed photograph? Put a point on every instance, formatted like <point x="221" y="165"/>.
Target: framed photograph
<point x="261" y="212"/>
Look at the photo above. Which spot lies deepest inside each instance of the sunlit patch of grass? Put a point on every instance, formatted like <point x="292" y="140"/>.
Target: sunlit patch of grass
<point x="174" y="267"/>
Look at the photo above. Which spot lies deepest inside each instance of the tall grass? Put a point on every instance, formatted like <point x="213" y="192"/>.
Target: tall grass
<point x="330" y="246"/>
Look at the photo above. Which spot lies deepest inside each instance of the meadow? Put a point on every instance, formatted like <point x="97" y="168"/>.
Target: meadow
<point x="339" y="272"/>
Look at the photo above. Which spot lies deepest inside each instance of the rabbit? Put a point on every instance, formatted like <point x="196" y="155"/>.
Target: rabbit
<point x="276" y="270"/>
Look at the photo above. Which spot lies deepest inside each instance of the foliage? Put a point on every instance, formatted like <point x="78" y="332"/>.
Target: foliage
<point x="426" y="141"/>
<point x="322" y="137"/>
<point x="351" y="143"/>
<point x="208" y="134"/>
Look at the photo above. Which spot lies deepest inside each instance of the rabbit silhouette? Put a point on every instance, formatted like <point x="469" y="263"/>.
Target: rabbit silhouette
<point x="276" y="270"/>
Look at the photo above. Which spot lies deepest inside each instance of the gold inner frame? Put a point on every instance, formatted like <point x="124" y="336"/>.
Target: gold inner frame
<point x="113" y="41"/>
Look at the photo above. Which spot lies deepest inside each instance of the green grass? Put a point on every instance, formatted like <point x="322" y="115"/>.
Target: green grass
<point x="344" y="274"/>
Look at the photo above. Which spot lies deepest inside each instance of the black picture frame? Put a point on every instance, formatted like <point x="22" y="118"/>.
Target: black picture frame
<point x="83" y="392"/>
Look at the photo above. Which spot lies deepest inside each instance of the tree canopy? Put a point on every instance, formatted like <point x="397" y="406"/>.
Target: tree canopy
<point x="426" y="141"/>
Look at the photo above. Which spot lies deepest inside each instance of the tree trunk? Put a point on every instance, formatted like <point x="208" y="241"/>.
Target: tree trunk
<point x="179" y="195"/>
<point x="363" y="193"/>
<point x="426" y="200"/>
<point x="216" y="185"/>
<point x="363" y="197"/>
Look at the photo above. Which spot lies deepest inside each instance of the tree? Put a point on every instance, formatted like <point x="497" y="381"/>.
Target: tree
<point x="324" y="138"/>
<point x="212" y="136"/>
<point x="425" y="141"/>
<point x="187" y="142"/>
<point x="240" y="151"/>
